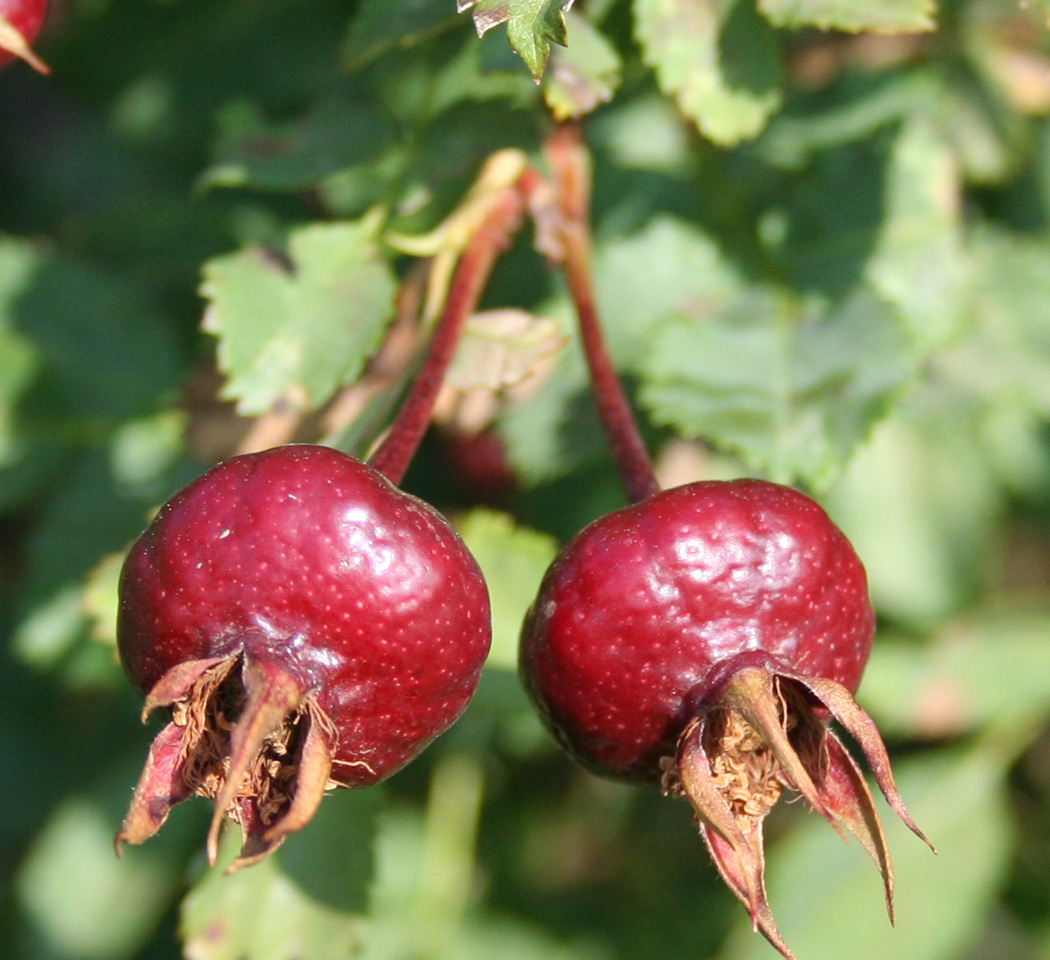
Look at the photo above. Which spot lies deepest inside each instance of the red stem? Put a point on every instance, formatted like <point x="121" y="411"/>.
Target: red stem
<point x="468" y="283"/>
<point x="569" y="159"/>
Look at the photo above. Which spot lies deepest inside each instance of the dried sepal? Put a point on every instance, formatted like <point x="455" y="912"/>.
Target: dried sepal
<point x="244" y="735"/>
<point x="759" y="728"/>
<point x="862" y="729"/>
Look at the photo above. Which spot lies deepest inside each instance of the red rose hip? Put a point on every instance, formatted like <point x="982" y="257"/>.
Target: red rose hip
<point x="307" y="624"/>
<point x="703" y="638"/>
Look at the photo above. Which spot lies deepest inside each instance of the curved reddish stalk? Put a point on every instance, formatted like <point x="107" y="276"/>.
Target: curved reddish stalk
<point x="468" y="283"/>
<point x="569" y="160"/>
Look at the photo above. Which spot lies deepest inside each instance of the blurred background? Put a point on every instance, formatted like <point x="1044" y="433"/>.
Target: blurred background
<point x="822" y="249"/>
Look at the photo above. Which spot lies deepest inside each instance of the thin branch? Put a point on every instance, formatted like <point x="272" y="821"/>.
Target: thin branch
<point x="570" y="162"/>
<point x="492" y="237"/>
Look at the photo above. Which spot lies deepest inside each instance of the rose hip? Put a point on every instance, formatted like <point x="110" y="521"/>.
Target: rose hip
<point x="306" y="624"/>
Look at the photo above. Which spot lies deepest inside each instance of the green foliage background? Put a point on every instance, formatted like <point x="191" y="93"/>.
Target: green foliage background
<point x="823" y="254"/>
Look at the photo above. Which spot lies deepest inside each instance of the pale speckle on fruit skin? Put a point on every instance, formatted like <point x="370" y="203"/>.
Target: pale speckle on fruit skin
<point x="305" y="554"/>
<point x="639" y="606"/>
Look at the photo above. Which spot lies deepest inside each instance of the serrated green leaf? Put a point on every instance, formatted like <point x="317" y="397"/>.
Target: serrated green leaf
<point x="376" y="26"/>
<point x="299" y="333"/>
<point x="306" y="900"/>
<point x="584" y="75"/>
<point x="514" y="560"/>
<point x="887" y="16"/>
<point x="718" y="60"/>
<point x="827" y="897"/>
<point x="919" y="263"/>
<point x="789" y="390"/>
<point x="532" y="26"/>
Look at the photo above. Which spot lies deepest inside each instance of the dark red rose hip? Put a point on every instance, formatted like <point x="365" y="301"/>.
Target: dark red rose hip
<point x="703" y="638"/>
<point x="307" y="624"/>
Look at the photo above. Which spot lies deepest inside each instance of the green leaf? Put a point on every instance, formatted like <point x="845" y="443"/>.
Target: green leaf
<point x="338" y="132"/>
<point x="67" y="542"/>
<point x="18" y="366"/>
<point x="991" y="667"/>
<point x="920" y="503"/>
<point x="827" y="896"/>
<point x="789" y="390"/>
<point x="1007" y="355"/>
<point x="919" y="263"/>
<point x="718" y="60"/>
<point x="793" y="138"/>
<point x="514" y="560"/>
<point x="532" y="26"/>
<point x="584" y="75"/>
<point x="885" y="16"/>
<point x="377" y="27"/>
<point x="83" y="901"/>
<point x="100" y="600"/>
<point x="306" y="900"/>
<point x="78" y="320"/>
<point x="299" y="332"/>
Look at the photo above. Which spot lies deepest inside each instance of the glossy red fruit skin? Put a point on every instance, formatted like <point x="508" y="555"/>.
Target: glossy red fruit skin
<point x="26" y="16"/>
<point x="639" y="609"/>
<point x="306" y="557"/>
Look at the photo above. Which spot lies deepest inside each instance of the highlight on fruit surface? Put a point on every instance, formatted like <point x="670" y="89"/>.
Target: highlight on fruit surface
<point x="703" y="639"/>
<point x="307" y="625"/>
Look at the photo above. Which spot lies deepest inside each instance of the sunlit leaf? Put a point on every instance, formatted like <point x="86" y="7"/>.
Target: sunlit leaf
<point x="987" y="668"/>
<point x="83" y="901"/>
<point x="718" y="60"/>
<point x="790" y="390"/>
<point x="896" y="16"/>
<point x="919" y="263"/>
<point x="532" y="26"/>
<point x="920" y="503"/>
<point x="583" y="75"/>
<point x="100" y="601"/>
<point x="794" y="137"/>
<point x="667" y="268"/>
<point x="299" y="331"/>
